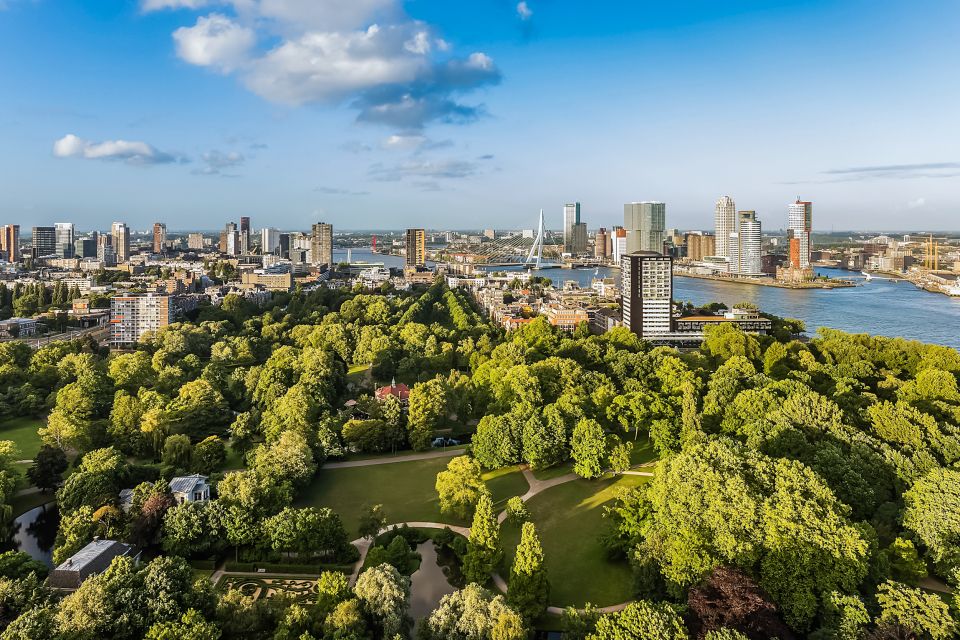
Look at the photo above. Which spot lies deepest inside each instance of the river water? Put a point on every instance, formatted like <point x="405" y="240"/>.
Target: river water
<point x="879" y="307"/>
<point x="34" y="532"/>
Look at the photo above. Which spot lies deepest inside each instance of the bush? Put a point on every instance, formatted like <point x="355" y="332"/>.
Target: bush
<point x="517" y="512"/>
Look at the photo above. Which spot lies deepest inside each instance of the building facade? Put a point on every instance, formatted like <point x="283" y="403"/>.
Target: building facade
<point x="601" y="244"/>
<point x="646" y="293"/>
<point x="244" y="235"/>
<point x="44" y="241"/>
<point x="269" y="240"/>
<point x="746" y="255"/>
<point x="11" y="242"/>
<point x="159" y="237"/>
<point x="799" y="228"/>
<point x="700" y="245"/>
<point x="321" y="244"/>
<point x="571" y="216"/>
<point x="416" y="248"/>
<point x="724" y="223"/>
<point x="121" y="241"/>
<point x="64" y="239"/>
<point x="131" y="316"/>
<point x="230" y="240"/>
<point x="195" y="241"/>
<point x="645" y="223"/>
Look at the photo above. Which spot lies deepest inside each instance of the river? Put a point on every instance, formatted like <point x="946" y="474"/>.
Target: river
<point x="34" y="532"/>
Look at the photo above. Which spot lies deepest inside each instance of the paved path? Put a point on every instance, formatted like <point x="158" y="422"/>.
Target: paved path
<point x="363" y="544"/>
<point x="426" y="455"/>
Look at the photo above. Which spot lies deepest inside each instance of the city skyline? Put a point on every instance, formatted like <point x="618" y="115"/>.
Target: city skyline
<point x="215" y="113"/>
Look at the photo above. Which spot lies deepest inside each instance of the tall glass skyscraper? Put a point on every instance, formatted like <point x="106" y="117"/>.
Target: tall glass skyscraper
<point x="645" y="223"/>
<point x="725" y="223"/>
<point x="571" y="217"/>
<point x="64" y="239"/>
<point x="799" y="227"/>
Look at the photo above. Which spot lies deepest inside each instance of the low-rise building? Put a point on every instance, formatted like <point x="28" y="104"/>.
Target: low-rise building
<point x="397" y="390"/>
<point x="89" y="561"/>
<point x="18" y="327"/>
<point x="192" y="488"/>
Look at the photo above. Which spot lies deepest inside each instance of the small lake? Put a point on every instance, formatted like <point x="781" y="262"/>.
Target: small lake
<point x="35" y="531"/>
<point x="427" y="584"/>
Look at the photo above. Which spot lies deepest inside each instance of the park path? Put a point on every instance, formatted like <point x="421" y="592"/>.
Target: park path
<point x="370" y="462"/>
<point x="363" y="544"/>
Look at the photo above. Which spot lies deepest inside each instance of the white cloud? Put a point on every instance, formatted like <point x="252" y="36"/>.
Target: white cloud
<point x="326" y="67"/>
<point x="403" y="142"/>
<point x="916" y="203"/>
<point x="215" y="41"/>
<point x="524" y="10"/>
<point x="130" y="152"/>
<point x="160" y="5"/>
<point x="216" y="161"/>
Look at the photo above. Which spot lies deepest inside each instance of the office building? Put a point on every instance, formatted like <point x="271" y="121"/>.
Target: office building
<point x="195" y="241"/>
<point x="416" y="248"/>
<point x="490" y="234"/>
<point x="64" y="239"/>
<point x="725" y="223"/>
<point x="131" y="316"/>
<point x="269" y="240"/>
<point x="646" y="293"/>
<point x="159" y="237"/>
<point x="600" y="244"/>
<point x="11" y="242"/>
<point x="645" y="223"/>
<point x="321" y="244"/>
<point x="619" y="244"/>
<point x="799" y="227"/>
<point x="578" y="242"/>
<point x="121" y="241"/>
<point x="44" y="241"/>
<point x="284" y="247"/>
<point x="86" y="247"/>
<point x="746" y="245"/>
<point x="105" y="252"/>
<point x="244" y="235"/>
<point x="700" y="245"/>
<point x="230" y="240"/>
<point x="571" y="216"/>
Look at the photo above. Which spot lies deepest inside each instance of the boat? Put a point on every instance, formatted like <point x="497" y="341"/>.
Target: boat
<point x="866" y="275"/>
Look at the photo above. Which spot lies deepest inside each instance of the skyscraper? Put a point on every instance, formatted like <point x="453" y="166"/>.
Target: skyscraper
<point x="725" y="223"/>
<point x="44" y="241"/>
<point x="11" y="242"/>
<point x="645" y="223"/>
<point x="746" y="245"/>
<point x="269" y="240"/>
<point x="619" y="248"/>
<point x="195" y="241"/>
<point x="578" y="240"/>
<point x="646" y="290"/>
<point x="230" y="239"/>
<point x="600" y="244"/>
<point x="416" y="248"/>
<point x="284" y="247"/>
<point x="159" y="237"/>
<point x="64" y="239"/>
<point x="799" y="226"/>
<point x="133" y="315"/>
<point x="121" y="241"/>
<point x="244" y="235"/>
<point x="571" y="216"/>
<point x="321" y="244"/>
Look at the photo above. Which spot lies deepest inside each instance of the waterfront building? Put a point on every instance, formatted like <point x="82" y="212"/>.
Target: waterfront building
<point x="121" y="241"/>
<point x="646" y="293"/>
<point x="571" y="216"/>
<point x="799" y="228"/>
<point x="725" y="223"/>
<point x="699" y="245"/>
<point x="269" y="240"/>
<point x="321" y="244"/>
<point x="416" y="248"/>
<point x="746" y="245"/>
<point x="645" y="223"/>
<point x="44" y="241"/>
<point x="619" y="244"/>
<point x="11" y="242"/>
<point x="64" y="239"/>
<point x="133" y="315"/>
<point x="601" y="243"/>
<point x="159" y="237"/>
<point x="195" y="241"/>
<point x="578" y="242"/>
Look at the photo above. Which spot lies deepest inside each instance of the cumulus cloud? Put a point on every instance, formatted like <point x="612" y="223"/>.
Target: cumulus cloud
<point x="215" y="162"/>
<point x="366" y="53"/>
<point x="524" y="10"/>
<point x="130" y="152"/>
<point x="215" y="41"/>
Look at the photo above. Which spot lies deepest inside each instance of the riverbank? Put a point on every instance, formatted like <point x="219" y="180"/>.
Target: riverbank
<point x="815" y="284"/>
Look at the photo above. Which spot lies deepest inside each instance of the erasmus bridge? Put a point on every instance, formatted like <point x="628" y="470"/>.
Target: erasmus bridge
<point x="515" y="251"/>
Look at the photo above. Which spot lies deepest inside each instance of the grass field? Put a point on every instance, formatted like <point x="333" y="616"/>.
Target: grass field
<point x="642" y="452"/>
<point x="405" y="489"/>
<point x="23" y="432"/>
<point x="569" y="519"/>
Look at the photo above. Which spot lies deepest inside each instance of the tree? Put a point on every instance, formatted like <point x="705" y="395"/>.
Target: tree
<point x="177" y="451"/>
<point x="209" y="455"/>
<point x="131" y="371"/>
<point x="473" y="613"/>
<point x="428" y="407"/>
<point x="905" y="562"/>
<point x="76" y="530"/>
<point x="333" y="587"/>
<point x="517" y="512"/>
<point x="529" y="589"/>
<point x="641" y="621"/>
<point x="191" y="626"/>
<point x="194" y="529"/>
<point x="384" y="595"/>
<point x="16" y="565"/>
<point x="48" y="467"/>
<point x="372" y="520"/>
<point x="923" y="613"/>
<point x="307" y="531"/>
<point x="725" y="340"/>
<point x="932" y="511"/>
<point x="619" y="457"/>
<point x="288" y="458"/>
<point x="460" y="486"/>
<point x="844" y="617"/>
<point x="588" y="448"/>
<point x="484" y="551"/>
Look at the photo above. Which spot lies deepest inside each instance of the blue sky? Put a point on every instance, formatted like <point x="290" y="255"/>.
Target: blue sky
<point x="384" y="114"/>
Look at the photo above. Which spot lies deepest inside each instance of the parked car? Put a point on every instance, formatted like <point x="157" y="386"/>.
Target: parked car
<point x="444" y="442"/>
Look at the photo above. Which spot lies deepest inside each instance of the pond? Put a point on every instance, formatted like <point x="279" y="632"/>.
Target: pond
<point x="34" y="532"/>
<point x="428" y="583"/>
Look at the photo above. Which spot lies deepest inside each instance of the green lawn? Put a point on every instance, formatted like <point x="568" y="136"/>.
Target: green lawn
<point x="643" y="451"/>
<point x="405" y="489"/>
<point x="23" y="432"/>
<point x="22" y="504"/>
<point x="505" y="483"/>
<point x="569" y="519"/>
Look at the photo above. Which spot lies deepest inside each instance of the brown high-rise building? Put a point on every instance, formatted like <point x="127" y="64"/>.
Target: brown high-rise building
<point x="11" y="242"/>
<point x="700" y="245"/>
<point x="416" y="248"/>
<point x="159" y="237"/>
<point x="601" y="247"/>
